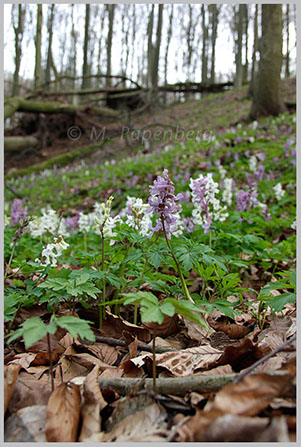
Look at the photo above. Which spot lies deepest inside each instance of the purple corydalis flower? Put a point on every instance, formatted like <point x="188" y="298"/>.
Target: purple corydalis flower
<point x="72" y="222"/>
<point x="188" y="224"/>
<point x="163" y="203"/>
<point x="238" y="140"/>
<point x="17" y="211"/>
<point x="246" y="200"/>
<point x="259" y="173"/>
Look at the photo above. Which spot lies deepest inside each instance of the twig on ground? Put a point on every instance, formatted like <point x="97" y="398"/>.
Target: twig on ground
<point x="262" y="360"/>
<point x="141" y="346"/>
<point x="178" y="386"/>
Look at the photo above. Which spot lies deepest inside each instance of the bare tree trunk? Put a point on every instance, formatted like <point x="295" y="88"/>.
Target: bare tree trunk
<point x="38" y="43"/>
<point x="238" y="46"/>
<point x="169" y="34"/>
<point x="155" y="67"/>
<point x="287" y="56"/>
<point x="266" y="99"/>
<point x="133" y="39"/>
<point x="214" y="24"/>
<point x="50" y="34"/>
<point x="100" y="41"/>
<point x="204" y="47"/>
<point x="86" y="81"/>
<point x="111" y="10"/>
<point x="245" y="32"/>
<point x="255" y="49"/>
<point x="18" y="30"/>
<point x="150" y="47"/>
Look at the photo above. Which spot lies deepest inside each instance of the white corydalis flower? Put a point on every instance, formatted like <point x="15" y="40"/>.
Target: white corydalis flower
<point x="279" y="192"/>
<point x="51" y="252"/>
<point x="253" y="163"/>
<point x="136" y="215"/>
<point x="227" y="192"/>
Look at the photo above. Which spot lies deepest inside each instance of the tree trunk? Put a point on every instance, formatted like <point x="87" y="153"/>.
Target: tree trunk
<point x="86" y="81"/>
<point x="169" y="34"/>
<point x="266" y="99"/>
<point x="287" y="56"/>
<point x="155" y="67"/>
<point x="214" y="23"/>
<point x="245" y="32"/>
<point x="18" y="30"/>
<point x="150" y="48"/>
<point x="255" y="49"/>
<point x="38" y="42"/>
<point x="111" y="9"/>
<point x="238" y="46"/>
<point x="204" y="47"/>
<point x="17" y="144"/>
<point x="49" y="52"/>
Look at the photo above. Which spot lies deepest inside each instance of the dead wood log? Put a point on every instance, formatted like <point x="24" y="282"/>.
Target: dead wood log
<point x="18" y="104"/>
<point x="16" y="144"/>
<point x="174" y="385"/>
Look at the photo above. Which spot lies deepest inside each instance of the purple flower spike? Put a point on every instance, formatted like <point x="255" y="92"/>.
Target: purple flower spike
<point x="17" y="212"/>
<point x="163" y="203"/>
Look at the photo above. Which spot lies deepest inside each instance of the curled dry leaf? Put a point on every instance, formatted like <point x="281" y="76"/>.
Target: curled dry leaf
<point x="168" y="327"/>
<point x="195" y="331"/>
<point x="23" y="360"/>
<point x="233" y="330"/>
<point x="63" y="413"/>
<point x="113" y="326"/>
<point x="10" y="376"/>
<point x="186" y="361"/>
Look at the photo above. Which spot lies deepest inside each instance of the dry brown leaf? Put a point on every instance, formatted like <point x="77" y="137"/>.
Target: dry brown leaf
<point x="134" y="419"/>
<point x="91" y="389"/>
<point x="26" y="425"/>
<point x="24" y="360"/>
<point x="63" y="413"/>
<point x="105" y="353"/>
<point x="195" y="331"/>
<point x="114" y="326"/>
<point x="185" y="362"/>
<point x="168" y="327"/>
<point x="277" y="431"/>
<point x="233" y="330"/>
<point x="133" y="348"/>
<point x="91" y="421"/>
<point x="252" y="395"/>
<point x="30" y="391"/>
<point x="10" y="376"/>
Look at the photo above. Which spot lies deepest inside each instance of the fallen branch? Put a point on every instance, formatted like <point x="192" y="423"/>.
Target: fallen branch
<point x="16" y="144"/>
<point x="173" y="385"/>
<point x="262" y="360"/>
<point x="141" y="346"/>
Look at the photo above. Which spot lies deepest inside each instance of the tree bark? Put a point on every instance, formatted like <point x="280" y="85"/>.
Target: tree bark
<point x="266" y="99"/>
<point x="169" y="34"/>
<point x="111" y="9"/>
<point x="18" y="30"/>
<point x="150" y="48"/>
<point x="238" y="46"/>
<point x="86" y="80"/>
<point x="287" y="56"/>
<point x="155" y="67"/>
<point x="255" y="49"/>
<point x="38" y="43"/>
<point x="204" y="47"/>
<point x="214" y="24"/>
<point x="16" y="144"/>
<point x="49" y="52"/>
<point x="246" y="41"/>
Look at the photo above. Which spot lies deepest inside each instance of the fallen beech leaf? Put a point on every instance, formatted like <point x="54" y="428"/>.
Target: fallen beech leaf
<point x="91" y="421"/>
<point x="233" y="330"/>
<point x="26" y="425"/>
<point x="168" y="327"/>
<point x="186" y="361"/>
<point x="277" y="431"/>
<point x="105" y="353"/>
<point x="251" y="395"/>
<point x="10" y="376"/>
<point x="91" y="389"/>
<point x="195" y="331"/>
<point x="136" y="418"/>
<point x="133" y="348"/>
<point x="24" y="360"/>
<point x="63" y="412"/>
<point x="113" y="326"/>
<point x="30" y="391"/>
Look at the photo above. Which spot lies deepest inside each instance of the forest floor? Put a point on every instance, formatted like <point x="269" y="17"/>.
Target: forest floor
<point x="79" y="360"/>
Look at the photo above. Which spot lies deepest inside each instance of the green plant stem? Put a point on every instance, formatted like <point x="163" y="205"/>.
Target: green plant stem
<point x="85" y="240"/>
<point x="186" y="291"/>
<point x="10" y="259"/>
<point x="210" y="238"/>
<point x="121" y="273"/>
<point x="102" y="297"/>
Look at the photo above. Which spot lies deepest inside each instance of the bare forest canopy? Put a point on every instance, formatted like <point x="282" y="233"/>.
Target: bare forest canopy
<point x="110" y="61"/>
